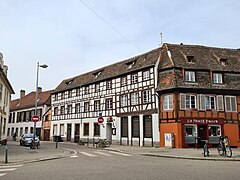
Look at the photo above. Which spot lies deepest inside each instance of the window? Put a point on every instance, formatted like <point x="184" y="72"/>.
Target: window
<point x="146" y="75"/>
<point x="86" y="106"/>
<point x="55" y="111"/>
<point x="86" y="129"/>
<point x="77" y="108"/>
<point x="109" y="84"/>
<point x="188" y="101"/>
<point x="223" y="61"/>
<point x="56" y="97"/>
<point x="231" y="104"/>
<point x="214" y="130"/>
<point x="190" y="76"/>
<point x="220" y="105"/>
<point x="190" y="133"/>
<point x="109" y="104"/>
<point x="168" y="102"/>
<point x="77" y="91"/>
<point x="96" y="129"/>
<point x="69" y="93"/>
<point x="210" y="102"/>
<point x="96" y="105"/>
<point x="134" y="78"/>
<point x="124" y="125"/>
<point x="69" y="109"/>
<point x="61" y="129"/>
<point x="134" y="99"/>
<point x="190" y="59"/>
<point x="86" y="90"/>
<point x="62" y="95"/>
<point x="124" y="81"/>
<point x="135" y="126"/>
<point x="54" y="129"/>
<point x="62" y="110"/>
<point x="217" y="78"/>
<point x="146" y="96"/>
<point x="124" y="100"/>
<point x="147" y="124"/>
<point x="97" y="87"/>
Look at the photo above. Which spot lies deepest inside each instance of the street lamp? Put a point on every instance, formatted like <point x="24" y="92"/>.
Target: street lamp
<point x="36" y="97"/>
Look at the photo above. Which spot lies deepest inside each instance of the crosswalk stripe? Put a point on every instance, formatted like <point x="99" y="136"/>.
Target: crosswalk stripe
<point x="12" y="169"/>
<point x="74" y="156"/>
<point x="98" y="152"/>
<point x="12" y="166"/>
<point x="3" y="174"/>
<point x="87" y="154"/>
<point x="122" y="154"/>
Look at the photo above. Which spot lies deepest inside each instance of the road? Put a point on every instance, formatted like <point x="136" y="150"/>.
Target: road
<point x="92" y="164"/>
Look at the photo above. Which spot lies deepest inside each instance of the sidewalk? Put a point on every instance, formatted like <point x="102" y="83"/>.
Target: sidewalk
<point x="194" y="154"/>
<point x="19" y="154"/>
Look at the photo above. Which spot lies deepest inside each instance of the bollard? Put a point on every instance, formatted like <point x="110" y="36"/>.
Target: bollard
<point x="6" y="154"/>
<point x="56" y="142"/>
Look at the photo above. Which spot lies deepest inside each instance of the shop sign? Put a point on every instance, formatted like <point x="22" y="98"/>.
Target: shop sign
<point x="201" y="121"/>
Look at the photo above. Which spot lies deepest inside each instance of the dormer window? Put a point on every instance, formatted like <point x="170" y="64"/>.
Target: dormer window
<point x="223" y="61"/>
<point x="69" y="82"/>
<point x="190" y="59"/>
<point x="217" y="78"/>
<point x="190" y="76"/>
<point x="97" y="74"/>
<point x="130" y="64"/>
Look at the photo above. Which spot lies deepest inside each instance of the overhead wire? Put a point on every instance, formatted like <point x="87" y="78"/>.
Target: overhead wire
<point x="110" y="25"/>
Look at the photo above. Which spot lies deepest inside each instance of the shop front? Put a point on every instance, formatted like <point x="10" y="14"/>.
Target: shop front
<point x="197" y="129"/>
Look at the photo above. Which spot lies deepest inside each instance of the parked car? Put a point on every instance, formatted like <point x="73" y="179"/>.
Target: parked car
<point x="26" y="139"/>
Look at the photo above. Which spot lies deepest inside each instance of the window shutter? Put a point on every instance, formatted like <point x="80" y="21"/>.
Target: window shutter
<point x="183" y="101"/>
<point x="220" y="103"/>
<point x="233" y="103"/>
<point x="201" y="102"/>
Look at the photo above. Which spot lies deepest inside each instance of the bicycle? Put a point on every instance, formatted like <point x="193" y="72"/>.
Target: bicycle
<point x="206" y="151"/>
<point x="224" y="148"/>
<point x="103" y="143"/>
<point x="34" y="144"/>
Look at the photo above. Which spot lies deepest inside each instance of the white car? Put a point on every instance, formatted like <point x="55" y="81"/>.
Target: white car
<point x="26" y="139"/>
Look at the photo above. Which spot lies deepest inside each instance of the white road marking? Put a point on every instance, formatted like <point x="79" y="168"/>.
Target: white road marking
<point x="11" y="169"/>
<point x="87" y="154"/>
<point x="105" y="154"/>
<point x="12" y="166"/>
<point x="122" y="154"/>
<point x="3" y="174"/>
<point x="74" y="156"/>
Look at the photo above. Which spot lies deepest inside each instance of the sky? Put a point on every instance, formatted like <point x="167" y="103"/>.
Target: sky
<point x="77" y="36"/>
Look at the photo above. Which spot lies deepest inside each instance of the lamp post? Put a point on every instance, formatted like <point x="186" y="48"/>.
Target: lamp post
<point x="36" y="96"/>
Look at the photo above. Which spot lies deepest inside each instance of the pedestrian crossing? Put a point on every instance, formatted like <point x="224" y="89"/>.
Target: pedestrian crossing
<point x="94" y="154"/>
<point x="5" y="169"/>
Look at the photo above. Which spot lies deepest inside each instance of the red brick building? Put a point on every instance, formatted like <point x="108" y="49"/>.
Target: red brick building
<point x="199" y="94"/>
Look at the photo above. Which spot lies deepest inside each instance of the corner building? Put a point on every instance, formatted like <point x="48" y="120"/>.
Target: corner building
<point x="199" y="94"/>
<point x="123" y="94"/>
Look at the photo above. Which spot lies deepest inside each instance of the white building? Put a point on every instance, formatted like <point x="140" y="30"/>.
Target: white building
<point x="123" y="94"/>
<point x="5" y="95"/>
<point x="22" y="110"/>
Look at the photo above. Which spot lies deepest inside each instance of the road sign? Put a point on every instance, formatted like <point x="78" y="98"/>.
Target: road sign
<point x="35" y="118"/>
<point x="100" y="120"/>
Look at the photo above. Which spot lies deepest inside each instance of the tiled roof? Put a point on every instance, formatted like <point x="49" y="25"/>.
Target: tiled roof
<point x="28" y="101"/>
<point x="174" y="58"/>
<point x="139" y="62"/>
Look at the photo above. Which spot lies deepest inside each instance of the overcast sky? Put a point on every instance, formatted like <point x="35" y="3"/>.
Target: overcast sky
<point x="76" y="36"/>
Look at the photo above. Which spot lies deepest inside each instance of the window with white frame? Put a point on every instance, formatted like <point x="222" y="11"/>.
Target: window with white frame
<point x="190" y="130"/>
<point x="69" y="109"/>
<point x="146" y="96"/>
<point x="230" y="103"/>
<point x="146" y="75"/>
<point x="97" y="105"/>
<point x="188" y="101"/>
<point x="61" y="129"/>
<point x="55" y="111"/>
<point x="217" y="78"/>
<point x="124" y="99"/>
<point x="168" y="102"/>
<point x="220" y="105"/>
<point x="69" y="93"/>
<point x="62" y="110"/>
<point x="97" y="87"/>
<point x="109" y="104"/>
<point x="109" y="84"/>
<point x="134" y="98"/>
<point x="210" y="102"/>
<point x="77" y="108"/>
<point x="124" y="81"/>
<point x="86" y="106"/>
<point x="190" y="76"/>
<point x="134" y="78"/>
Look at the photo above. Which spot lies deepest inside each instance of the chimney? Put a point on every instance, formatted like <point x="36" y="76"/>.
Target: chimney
<point x="22" y="94"/>
<point x="39" y="89"/>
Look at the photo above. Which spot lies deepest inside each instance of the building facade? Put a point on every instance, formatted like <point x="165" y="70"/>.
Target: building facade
<point x="121" y="94"/>
<point x="5" y="95"/>
<point x="199" y="95"/>
<point x="22" y="110"/>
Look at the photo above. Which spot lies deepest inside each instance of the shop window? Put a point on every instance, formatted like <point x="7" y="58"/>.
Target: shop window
<point x="96" y="129"/>
<point x="168" y="102"/>
<point x="190" y="133"/>
<point x="214" y="132"/>
<point x="86" y="129"/>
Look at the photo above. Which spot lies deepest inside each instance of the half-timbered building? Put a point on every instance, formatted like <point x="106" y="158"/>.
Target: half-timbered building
<point x="122" y="95"/>
<point x="199" y="95"/>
